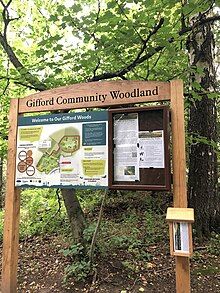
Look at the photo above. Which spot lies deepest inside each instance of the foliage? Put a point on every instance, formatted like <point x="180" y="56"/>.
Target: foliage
<point x="89" y="198"/>
<point x="130" y="230"/>
<point x="39" y="213"/>
<point x="214" y="245"/>
<point x="4" y="105"/>
<point x="80" y="266"/>
<point x="64" y="42"/>
<point x="134" y="226"/>
<point x="79" y="270"/>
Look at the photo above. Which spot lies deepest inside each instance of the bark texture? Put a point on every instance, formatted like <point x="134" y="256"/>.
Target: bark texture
<point x="75" y="214"/>
<point x="203" y="176"/>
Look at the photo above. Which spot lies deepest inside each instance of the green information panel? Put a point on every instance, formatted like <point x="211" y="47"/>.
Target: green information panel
<point x="63" y="150"/>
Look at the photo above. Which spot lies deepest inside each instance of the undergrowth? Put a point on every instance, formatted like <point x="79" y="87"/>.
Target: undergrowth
<point x="132" y="223"/>
<point x="128" y="225"/>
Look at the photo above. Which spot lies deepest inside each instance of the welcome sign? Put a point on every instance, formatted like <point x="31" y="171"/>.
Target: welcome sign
<point x="63" y="150"/>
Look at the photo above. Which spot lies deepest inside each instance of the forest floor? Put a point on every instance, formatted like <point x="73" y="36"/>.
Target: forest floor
<point x="132" y="255"/>
<point x="41" y="269"/>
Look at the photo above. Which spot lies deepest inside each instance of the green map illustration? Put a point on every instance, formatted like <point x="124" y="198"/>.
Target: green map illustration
<point x="64" y="142"/>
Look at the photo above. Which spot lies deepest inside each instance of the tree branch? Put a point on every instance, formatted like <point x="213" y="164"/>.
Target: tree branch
<point x="122" y="11"/>
<point x="128" y="68"/>
<point x="198" y="23"/>
<point x="138" y="60"/>
<point x="33" y="80"/>
<point x="7" y="80"/>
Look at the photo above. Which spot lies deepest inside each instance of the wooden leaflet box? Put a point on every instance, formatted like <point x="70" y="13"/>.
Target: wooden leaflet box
<point x="180" y="228"/>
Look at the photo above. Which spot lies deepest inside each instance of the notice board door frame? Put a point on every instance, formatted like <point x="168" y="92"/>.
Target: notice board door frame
<point x="141" y="184"/>
<point x="172" y="92"/>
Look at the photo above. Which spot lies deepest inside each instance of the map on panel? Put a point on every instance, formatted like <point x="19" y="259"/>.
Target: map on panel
<point x="63" y="150"/>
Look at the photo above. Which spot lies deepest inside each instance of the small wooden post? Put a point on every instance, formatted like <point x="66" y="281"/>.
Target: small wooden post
<point x="12" y="210"/>
<point x="179" y="175"/>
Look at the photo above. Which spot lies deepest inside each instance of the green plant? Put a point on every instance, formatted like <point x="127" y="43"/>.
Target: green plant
<point x="214" y="245"/>
<point x="88" y="232"/>
<point x="41" y="213"/>
<point x="197" y="256"/>
<point x="156" y="228"/>
<point x="80" y="265"/>
<point x="130" y="266"/>
<point x="79" y="270"/>
<point x="76" y="250"/>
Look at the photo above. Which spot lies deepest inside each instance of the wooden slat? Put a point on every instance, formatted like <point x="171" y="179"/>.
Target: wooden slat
<point x="178" y="136"/>
<point x="179" y="175"/>
<point x="190" y="240"/>
<point x="128" y="92"/>
<point x="12" y="210"/>
<point x="171" y="238"/>
<point x="182" y="274"/>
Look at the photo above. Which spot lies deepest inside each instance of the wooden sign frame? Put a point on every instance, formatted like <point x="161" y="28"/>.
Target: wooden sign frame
<point x="150" y="119"/>
<point x="94" y="95"/>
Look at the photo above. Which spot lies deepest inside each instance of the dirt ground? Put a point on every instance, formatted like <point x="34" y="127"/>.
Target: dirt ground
<point x="41" y="269"/>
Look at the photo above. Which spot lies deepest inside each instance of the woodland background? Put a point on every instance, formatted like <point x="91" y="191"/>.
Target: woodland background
<point x="46" y="44"/>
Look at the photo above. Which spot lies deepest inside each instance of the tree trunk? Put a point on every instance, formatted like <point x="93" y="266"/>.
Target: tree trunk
<point x="203" y="177"/>
<point x="75" y="214"/>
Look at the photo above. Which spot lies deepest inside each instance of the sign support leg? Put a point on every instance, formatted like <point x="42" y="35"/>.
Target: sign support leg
<point x="179" y="175"/>
<point x="12" y="210"/>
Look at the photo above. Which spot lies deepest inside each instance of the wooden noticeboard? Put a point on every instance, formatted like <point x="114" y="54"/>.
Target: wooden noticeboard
<point x="103" y="95"/>
<point x="144" y="149"/>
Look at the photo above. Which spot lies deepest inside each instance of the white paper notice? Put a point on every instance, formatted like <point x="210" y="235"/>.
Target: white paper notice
<point x="126" y="163"/>
<point x="126" y="157"/>
<point x="151" y="149"/>
<point x="181" y="236"/>
<point x="126" y="129"/>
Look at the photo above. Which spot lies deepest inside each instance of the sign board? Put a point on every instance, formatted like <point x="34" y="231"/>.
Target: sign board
<point x="22" y="161"/>
<point x="139" y="148"/>
<point x="63" y="150"/>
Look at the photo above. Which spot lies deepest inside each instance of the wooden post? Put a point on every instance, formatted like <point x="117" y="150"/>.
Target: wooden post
<point x="179" y="175"/>
<point x="12" y="210"/>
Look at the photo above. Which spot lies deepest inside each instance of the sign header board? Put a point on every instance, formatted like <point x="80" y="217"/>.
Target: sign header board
<point x="95" y="94"/>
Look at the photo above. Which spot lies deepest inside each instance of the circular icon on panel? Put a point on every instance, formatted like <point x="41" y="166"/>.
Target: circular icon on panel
<point x="30" y="170"/>
<point x="22" y="167"/>
<point x="29" y="161"/>
<point x="29" y="153"/>
<point x="26" y="162"/>
<point x="22" y="155"/>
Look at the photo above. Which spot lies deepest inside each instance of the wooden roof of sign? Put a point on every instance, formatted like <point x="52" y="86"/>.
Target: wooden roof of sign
<point x="180" y="214"/>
